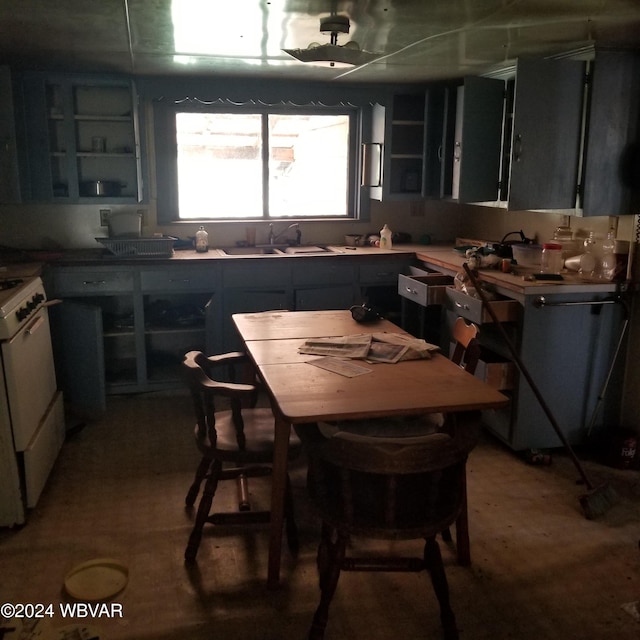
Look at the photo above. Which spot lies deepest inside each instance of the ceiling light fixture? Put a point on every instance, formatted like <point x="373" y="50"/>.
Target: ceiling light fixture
<point x="333" y="54"/>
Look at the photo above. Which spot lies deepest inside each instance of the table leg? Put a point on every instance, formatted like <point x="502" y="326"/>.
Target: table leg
<point x="462" y="529"/>
<point x="278" y="486"/>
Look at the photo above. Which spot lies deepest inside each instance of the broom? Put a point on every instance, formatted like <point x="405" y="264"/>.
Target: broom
<point x="598" y="499"/>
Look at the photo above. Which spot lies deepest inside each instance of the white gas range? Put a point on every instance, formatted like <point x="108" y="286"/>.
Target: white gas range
<point x="32" y="426"/>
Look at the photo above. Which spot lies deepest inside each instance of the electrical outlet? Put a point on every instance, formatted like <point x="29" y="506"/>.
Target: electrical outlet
<point x="104" y="217"/>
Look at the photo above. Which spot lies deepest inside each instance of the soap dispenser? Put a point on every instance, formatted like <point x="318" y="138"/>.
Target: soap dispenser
<point x="385" y="238"/>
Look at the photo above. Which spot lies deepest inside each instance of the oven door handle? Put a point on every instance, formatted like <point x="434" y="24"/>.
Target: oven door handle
<point x="35" y="325"/>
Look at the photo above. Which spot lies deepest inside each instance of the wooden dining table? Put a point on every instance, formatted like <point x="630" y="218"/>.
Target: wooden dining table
<point x="303" y="393"/>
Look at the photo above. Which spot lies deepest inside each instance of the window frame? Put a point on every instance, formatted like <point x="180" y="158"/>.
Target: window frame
<point x="166" y="156"/>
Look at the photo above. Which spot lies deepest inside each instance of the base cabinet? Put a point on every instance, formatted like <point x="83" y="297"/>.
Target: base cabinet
<point x="125" y="328"/>
<point x="567" y="350"/>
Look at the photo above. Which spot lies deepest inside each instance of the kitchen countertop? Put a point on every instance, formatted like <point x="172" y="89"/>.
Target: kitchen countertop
<point x="442" y="257"/>
<point x="438" y="257"/>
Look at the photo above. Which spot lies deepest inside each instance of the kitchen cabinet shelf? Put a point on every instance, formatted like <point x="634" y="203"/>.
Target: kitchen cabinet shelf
<point x="90" y="133"/>
<point x="400" y="128"/>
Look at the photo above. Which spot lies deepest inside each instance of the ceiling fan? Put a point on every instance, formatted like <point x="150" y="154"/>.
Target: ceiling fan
<point x="333" y="54"/>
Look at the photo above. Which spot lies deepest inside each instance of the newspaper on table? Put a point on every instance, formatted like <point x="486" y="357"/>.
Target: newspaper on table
<point x="345" y="368"/>
<point x="340" y="346"/>
<point x="394" y="347"/>
<point x="377" y="347"/>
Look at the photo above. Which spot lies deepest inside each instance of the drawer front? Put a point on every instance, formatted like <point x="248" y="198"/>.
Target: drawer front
<point x="41" y="454"/>
<point x="381" y="272"/>
<point x="473" y="309"/>
<point x="178" y="279"/>
<point x="424" y="289"/>
<point x="78" y="282"/>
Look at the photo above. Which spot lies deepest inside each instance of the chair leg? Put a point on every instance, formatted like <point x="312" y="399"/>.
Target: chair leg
<point x="330" y="557"/>
<point x="290" y="522"/>
<point x="433" y="563"/>
<point x="194" y="489"/>
<point x="204" y="508"/>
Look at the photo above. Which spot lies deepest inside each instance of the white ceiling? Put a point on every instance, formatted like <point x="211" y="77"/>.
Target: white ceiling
<point x="419" y="40"/>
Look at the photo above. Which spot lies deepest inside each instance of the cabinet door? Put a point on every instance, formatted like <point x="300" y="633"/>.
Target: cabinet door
<point x="439" y="140"/>
<point x="546" y="134"/>
<point x="77" y="332"/>
<point x="9" y="176"/>
<point x="613" y="138"/>
<point x="478" y="140"/>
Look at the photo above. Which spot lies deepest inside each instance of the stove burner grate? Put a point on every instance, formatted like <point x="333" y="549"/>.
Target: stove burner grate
<point x="10" y="283"/>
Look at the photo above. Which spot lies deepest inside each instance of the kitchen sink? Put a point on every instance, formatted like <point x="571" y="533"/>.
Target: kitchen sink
<point x="251" y="251"/>
<point x="272" y="249"/>
<point x="307" y="249"/>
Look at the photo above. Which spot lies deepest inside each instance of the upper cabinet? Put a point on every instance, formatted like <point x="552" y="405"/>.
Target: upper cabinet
<point x="611" y="178"/>
<point x="478" y="135"/>
<point x="83" y="140"/>
<point x="400" y="127"/>
<point x="517" y="139"/>
<point x="545" y="142"/>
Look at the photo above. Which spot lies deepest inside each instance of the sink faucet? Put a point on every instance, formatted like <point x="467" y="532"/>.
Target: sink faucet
<point x="273" y="237"/>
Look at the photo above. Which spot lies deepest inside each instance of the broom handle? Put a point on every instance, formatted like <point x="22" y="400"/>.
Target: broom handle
<point x="526" y="374"/>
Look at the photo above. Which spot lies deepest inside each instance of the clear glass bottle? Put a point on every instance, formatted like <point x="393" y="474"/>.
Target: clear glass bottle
<point x="552" y="260"/>
<point x="588" y="259"/>
<point x="202" y="240"/>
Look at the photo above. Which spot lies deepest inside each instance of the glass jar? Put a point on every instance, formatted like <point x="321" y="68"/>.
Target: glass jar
<point x="202" y="240"/>
<point x="564" y="237"/>
<point x="552" y="260"/>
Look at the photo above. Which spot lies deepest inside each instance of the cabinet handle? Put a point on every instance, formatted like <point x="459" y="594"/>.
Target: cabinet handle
<point x="457" y="152"/>
<point x="440" y="153"/>
<point x="413" y="292"/>
<point x="463" y="306"/>
<point x="94" y="282"/>
<point x="517" y="148"/>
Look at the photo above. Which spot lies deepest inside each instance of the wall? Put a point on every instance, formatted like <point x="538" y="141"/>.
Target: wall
<point x="51" y="227"/>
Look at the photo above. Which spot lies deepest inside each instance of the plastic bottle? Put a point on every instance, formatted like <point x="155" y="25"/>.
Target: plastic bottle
<point x="385" y="238"/>
<point x="588" y="259"/>
<point x="552" y="260"/>
<point x="202" y="240"/>
<point x="608" y="263"/>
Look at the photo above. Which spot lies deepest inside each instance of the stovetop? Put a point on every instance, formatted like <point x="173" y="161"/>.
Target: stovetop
<point x="10" y="283"/>
<point x="20" y="298"/>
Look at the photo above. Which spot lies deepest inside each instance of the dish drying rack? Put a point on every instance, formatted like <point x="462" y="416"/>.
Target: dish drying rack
<point x="139" y="247"/>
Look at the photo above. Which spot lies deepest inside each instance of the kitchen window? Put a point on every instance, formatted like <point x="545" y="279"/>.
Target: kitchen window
<point x="256" y="163"/>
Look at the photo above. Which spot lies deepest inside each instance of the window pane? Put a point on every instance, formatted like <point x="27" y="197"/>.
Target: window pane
<point x="221" y="168"/>
<point x="308" y="165"/>
<point x="219" y="165"/>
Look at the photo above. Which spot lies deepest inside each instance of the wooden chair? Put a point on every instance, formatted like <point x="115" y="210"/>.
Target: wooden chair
<point x="235" y="443"/>
<point x="389" y="487"/>
<point x="466" y="353"/>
